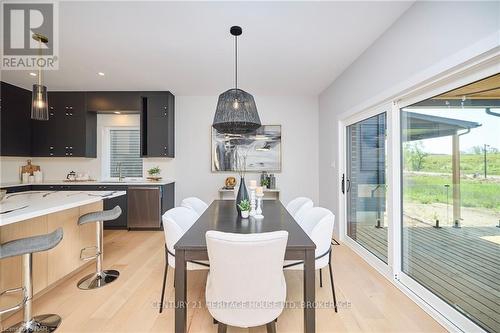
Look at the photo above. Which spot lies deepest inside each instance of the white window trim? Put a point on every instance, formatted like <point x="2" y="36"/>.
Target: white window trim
<point x="444" y="77"/>
<point x="105" y="149"/>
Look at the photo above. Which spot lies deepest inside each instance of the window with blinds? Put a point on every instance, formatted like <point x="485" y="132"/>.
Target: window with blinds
<point x="125" y="149"/>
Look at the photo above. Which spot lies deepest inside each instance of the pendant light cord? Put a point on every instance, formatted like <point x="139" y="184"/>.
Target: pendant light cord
<point x="39" y="67"/>
<point x="236" y="62"/>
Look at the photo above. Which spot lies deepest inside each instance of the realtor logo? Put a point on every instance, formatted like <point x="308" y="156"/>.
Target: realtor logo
<point x="20" y="21"/>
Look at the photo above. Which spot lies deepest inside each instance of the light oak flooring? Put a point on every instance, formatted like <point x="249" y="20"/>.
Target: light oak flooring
<point x="368" y="302"/>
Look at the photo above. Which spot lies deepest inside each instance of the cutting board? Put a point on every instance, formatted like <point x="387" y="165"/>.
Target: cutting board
<point x="29" y="168"/>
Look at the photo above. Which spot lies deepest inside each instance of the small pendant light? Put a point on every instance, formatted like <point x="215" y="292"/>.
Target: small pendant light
<point x="236" y="111"/>
<point x="39" y="99"/>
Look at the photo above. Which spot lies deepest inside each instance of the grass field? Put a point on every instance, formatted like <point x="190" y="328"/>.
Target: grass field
<point x="469" y="163"/>
<point x="428" y="189"/>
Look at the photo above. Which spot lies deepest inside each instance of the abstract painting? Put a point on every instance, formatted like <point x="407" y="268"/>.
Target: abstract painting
<point x="256" y="152"/>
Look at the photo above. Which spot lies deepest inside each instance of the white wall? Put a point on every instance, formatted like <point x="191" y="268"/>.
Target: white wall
<point x="298" y="117"/>
<point x="191" y="165"/>
<point x="425" y="35"/>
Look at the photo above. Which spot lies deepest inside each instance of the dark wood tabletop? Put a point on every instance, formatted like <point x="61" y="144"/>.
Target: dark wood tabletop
<point x="222" y="215"/>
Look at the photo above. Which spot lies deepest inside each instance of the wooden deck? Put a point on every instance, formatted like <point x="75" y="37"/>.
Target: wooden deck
<point x="458" y="265"/>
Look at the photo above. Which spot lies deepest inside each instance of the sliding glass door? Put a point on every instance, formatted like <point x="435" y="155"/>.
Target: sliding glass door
<point x="365" y="184"/>
<point x="450" y="149"/>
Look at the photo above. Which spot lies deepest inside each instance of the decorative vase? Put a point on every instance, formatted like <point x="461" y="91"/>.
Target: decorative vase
<point x="242" y="193"/>
<point x="244" y="214"/>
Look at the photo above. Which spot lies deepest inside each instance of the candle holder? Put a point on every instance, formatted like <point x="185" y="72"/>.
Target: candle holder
<point x="252" y="200"/>
<point x="258" y="211"/>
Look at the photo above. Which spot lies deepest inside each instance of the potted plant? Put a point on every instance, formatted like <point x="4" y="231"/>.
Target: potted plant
<point x="244" y="206"/>
<point x="154" y="173"/>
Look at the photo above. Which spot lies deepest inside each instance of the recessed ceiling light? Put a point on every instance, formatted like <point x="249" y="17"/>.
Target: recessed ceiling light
<point x="100" y="73"/>
<point x="117" y="112"/>
<point x="33" y="74"/>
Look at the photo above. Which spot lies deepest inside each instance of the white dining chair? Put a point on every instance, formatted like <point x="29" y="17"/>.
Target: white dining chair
<point x="196" y="204"/>
<point x="298" y="205"/>
<point x="318" y="224"/>
<point x="246" y="286"/>
<point x="176" y="222"/>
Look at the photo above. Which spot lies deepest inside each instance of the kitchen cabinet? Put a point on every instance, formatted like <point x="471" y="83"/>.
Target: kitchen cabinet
<point x="137" y="212"/>
<point x="15" y="118"/>
<point x="114" y="101"/>
<point x="144" y="203"/>
<point x="71" y="131"/>
<point x="158" y="125"/>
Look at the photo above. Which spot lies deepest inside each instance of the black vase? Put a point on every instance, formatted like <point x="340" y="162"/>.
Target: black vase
<point x="242" y="194"/>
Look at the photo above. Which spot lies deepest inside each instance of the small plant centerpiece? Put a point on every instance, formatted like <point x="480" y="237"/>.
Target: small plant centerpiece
<point x="154" y="173"/>
<point x="244" y="206"/>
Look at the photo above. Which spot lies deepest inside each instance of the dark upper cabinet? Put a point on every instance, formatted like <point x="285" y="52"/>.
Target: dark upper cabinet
<point x="70" y="131"/>
<point x="158" y="125"/>
<point x="15" y="118"/>
<point x="114" y="101"/>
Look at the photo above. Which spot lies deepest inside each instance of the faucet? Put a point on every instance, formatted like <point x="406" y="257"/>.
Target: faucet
<point x="119" y="169"/>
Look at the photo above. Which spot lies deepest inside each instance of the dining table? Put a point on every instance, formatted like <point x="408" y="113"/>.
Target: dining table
<point x="222" y="215"/>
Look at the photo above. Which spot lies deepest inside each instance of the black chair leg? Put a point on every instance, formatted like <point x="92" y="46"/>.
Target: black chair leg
<point x="221" y="328"/>
<point x="271" y="327"/>
<point x="331" y="279"/>
<point x="320" y="278"/>
<point x="164" y="280"/>
<point x="215" y="321"/>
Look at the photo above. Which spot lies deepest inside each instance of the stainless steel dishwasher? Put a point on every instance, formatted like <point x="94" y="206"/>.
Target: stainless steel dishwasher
<point x="144" y="207"/>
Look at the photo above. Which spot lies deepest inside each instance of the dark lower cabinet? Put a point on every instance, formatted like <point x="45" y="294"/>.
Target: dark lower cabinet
<point x="17" y="189"/>
<point x="142" y="206"/>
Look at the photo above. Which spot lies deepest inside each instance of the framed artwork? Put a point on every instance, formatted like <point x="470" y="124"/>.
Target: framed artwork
<point x="256" y="152"/>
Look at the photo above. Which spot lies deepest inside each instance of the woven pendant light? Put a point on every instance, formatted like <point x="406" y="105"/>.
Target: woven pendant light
<point x="236" y="111"/>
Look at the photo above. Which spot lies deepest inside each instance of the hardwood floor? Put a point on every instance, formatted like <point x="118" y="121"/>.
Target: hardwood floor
<point x="368" y="302"/>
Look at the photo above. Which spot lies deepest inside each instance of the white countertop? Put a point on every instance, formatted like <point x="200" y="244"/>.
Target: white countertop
<point x="31" y="204"/>
<point x="94" y="182"/>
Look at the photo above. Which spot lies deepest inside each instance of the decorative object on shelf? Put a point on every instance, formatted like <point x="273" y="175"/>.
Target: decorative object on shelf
<point x="259" y="193"/>
<point x="244" y="206"/>
<point x="252" y="187"/>
<point x="272" y="182"/>
<point x="229" y="183"/>
<point x="236" y="112"/>
<point x="154" y="173"/>
<point x="39" y="99"/>
<point x="242" y="191"/>
<point x="263" y="150"/>
<point x="264" y="179"/>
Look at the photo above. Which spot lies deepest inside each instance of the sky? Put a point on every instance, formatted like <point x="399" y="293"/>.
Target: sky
<point x="487" y="133"/>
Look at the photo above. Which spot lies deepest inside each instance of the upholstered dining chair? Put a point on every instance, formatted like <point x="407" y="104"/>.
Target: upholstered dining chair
<point x="246" y="286"/>
<point x="299" y="205"/>
<point x="176" y="222"/>
<point x="318" y="224"/>
<point x="196" y="204"/>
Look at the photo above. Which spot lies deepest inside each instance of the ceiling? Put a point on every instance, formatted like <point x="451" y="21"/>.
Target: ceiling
<point x="287" y="48"/>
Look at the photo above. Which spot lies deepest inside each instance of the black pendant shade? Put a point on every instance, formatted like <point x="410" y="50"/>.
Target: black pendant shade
<point x="236" y="112"/>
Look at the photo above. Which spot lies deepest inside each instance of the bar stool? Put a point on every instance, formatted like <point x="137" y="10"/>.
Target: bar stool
<point x="100" y="278"/>
<point x="25" y="247"/>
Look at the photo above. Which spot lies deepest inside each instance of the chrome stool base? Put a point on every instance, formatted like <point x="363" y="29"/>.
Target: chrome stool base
<point x="43" y="324"/>
<point x="96" y="280"/>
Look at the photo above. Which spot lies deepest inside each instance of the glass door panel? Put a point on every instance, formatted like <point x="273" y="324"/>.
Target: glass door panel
<point x="365" y="184"/>
<point x="450" y="153"/>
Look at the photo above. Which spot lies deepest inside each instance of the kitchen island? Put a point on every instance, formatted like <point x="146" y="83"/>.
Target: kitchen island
<point x="33" y="213"/>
